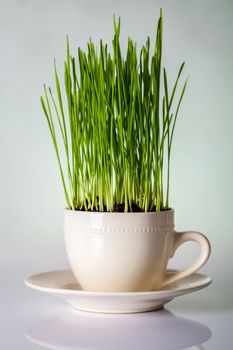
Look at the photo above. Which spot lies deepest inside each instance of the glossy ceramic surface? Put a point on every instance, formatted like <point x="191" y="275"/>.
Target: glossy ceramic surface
<point x="63" y="284"/>
<point x="126" y="252"/>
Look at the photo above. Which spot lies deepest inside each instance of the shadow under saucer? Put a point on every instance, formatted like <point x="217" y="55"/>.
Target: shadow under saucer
<point x="153" y="330"/>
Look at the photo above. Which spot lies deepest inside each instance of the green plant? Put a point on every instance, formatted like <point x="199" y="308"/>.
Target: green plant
<point x="117" y="129"/>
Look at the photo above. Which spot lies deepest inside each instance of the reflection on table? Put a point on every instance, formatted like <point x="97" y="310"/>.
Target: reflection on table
<point x="152" y="330"/>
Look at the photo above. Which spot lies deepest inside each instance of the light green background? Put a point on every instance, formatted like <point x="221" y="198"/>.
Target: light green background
<point x="32" y="34"/>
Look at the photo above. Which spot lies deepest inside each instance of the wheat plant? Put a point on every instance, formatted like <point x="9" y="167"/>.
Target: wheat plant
<point x="113" y="130"/>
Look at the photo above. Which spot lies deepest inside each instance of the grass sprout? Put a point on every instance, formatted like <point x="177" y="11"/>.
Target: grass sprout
<point x="113" y="130"/>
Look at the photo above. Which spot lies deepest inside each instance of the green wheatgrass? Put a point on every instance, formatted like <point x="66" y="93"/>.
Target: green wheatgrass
<point x="116" y="126"/>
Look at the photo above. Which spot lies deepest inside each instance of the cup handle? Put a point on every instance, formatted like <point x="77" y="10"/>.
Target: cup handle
<point x="205" y="249"/>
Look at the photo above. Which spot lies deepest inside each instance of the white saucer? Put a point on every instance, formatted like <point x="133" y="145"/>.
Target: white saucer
<point x="63" y="284"/>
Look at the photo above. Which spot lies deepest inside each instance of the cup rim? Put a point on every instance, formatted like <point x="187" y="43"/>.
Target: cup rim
<point x="107" y="213"/>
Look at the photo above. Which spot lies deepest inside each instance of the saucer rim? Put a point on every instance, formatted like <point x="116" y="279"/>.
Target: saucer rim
<point x="164" y="292"/>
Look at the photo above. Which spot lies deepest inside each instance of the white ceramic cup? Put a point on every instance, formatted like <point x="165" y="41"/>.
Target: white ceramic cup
<point x="126" y="252"/>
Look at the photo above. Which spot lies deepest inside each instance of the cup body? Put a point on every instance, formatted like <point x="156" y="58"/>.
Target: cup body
<point x="119" y="252"/>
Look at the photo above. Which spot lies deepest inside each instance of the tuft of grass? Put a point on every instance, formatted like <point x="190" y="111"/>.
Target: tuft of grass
<point x="115" y="124"/>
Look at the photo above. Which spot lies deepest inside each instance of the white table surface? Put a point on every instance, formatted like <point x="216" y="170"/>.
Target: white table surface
<point x="32" y="320"/>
